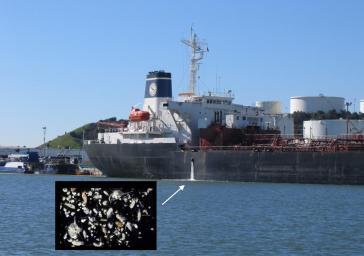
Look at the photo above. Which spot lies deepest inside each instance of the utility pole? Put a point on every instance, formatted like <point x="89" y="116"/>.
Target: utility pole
<point x="44" y="140"/>
<point x="83" y="138"/>
<point x="347" y="116"/>
<point x="83" y="143"/>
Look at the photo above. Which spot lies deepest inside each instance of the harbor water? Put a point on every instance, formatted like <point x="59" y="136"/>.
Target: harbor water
<point x="207" y="218"/>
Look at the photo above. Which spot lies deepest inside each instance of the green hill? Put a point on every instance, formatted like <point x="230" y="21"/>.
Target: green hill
<point x="74" y="138"/>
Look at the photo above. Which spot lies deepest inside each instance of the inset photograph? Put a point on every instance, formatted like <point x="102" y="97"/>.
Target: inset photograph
<point x="106" y="215"/>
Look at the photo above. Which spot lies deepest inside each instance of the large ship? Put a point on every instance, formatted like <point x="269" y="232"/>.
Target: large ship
<point x="209" y="137"/>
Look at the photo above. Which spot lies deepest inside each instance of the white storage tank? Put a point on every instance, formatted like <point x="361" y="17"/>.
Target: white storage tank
<point x="315" y="129"/>
<point x="270" y="107"/>
<point x="362" y="106"/>
<point x="310" y="104"/>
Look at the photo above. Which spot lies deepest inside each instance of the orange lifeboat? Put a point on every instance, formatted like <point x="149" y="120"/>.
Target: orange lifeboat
<point x="137" y="115"/>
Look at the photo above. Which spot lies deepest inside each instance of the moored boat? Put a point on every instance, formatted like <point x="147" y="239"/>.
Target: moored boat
<point x="14" y="167"/>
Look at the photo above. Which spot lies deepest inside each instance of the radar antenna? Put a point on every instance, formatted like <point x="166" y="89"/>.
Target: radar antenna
<point x="198" y="50"/>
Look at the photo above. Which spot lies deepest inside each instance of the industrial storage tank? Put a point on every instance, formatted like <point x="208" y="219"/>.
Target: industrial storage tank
<point x="310" y="104"/>
<point x="270" y="107"/>
<point x="315" y="129"/>
<point x="362" y="106"/>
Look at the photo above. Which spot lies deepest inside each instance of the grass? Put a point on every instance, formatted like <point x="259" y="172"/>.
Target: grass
<point x="73" y="139"/>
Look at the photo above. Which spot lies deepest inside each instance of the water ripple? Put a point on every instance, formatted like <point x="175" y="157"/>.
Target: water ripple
<point x="207" y="218"/>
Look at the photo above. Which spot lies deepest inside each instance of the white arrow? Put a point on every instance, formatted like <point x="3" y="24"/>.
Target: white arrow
<point x="180" y="189"/>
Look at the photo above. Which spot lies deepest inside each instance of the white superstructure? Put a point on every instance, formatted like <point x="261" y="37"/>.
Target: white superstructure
<point x="310" y="104"/>
<point x="362" y="106"/>
<point x="179" y="121"/>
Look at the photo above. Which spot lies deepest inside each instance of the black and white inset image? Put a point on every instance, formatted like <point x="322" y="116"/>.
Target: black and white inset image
<point x="106" y="215"/>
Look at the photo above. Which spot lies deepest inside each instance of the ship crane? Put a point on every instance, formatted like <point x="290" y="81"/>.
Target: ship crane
<point x="198" y="50"/>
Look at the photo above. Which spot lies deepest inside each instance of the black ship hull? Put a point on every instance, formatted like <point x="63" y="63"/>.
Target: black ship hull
<point x="166" y="161"/>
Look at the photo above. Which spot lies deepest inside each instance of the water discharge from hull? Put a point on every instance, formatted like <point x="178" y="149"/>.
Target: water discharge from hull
<point x="192" y="174"/>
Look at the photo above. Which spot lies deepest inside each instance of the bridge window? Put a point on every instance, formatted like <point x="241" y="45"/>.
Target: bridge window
<point x="218" y="116"/>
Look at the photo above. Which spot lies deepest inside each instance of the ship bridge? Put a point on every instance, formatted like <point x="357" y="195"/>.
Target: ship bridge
<point x="210" y="98"/>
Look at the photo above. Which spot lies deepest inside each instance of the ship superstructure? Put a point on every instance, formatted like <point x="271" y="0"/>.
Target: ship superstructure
<point x="179" y="121"/>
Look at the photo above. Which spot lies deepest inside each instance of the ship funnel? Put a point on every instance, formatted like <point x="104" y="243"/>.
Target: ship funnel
<point x="158" y="85"/>
<point x="158" y="90"/>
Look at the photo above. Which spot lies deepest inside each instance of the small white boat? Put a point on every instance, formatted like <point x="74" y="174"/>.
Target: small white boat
<point x="14" y="167"/>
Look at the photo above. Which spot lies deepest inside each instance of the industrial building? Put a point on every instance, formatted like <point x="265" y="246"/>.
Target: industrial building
<point x="315" y="129"/>
<point x="311" y="104"/>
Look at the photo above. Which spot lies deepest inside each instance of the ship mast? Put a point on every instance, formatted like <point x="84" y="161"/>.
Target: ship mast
<point x="198" y="50"/>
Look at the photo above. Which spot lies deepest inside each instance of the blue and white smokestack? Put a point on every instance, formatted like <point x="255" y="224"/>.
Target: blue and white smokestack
<point x="158" y="89"/>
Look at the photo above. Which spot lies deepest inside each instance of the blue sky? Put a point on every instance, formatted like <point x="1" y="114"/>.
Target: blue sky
<point x="67" y="63"/>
